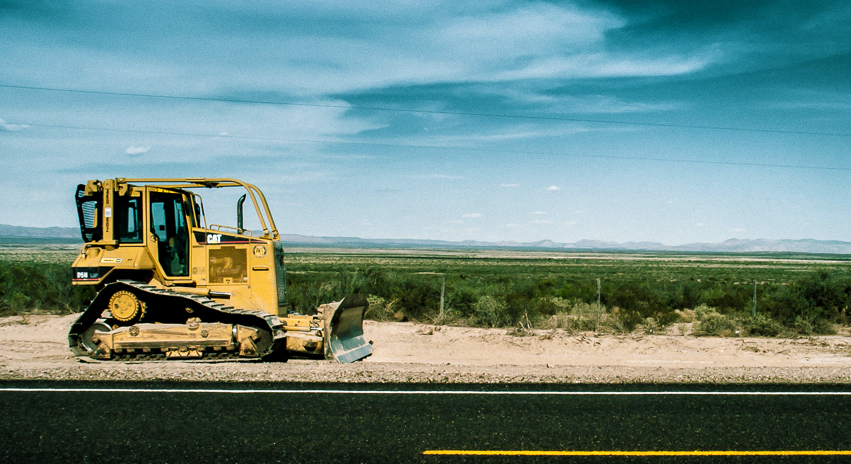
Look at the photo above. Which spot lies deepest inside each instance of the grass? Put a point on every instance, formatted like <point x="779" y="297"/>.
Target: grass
<point x="796" y="293"/>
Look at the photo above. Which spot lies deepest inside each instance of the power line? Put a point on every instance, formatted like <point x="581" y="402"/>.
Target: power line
<point x="438" y="147"/>
<point x="437" y="112"/>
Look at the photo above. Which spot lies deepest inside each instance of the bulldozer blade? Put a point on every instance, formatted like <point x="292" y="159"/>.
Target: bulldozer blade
<point x="344" y="341"/>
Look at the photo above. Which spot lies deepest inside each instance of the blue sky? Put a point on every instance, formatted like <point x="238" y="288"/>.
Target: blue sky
<point x="664" y="121"/>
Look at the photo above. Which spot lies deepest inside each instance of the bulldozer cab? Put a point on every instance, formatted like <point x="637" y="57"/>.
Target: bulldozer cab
<point x="164" y="227"/>
<point x="164" y="217"/>
<point x="170" y="231"/>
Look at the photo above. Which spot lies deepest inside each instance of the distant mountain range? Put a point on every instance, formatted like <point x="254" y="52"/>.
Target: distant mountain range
<point x="39" y="232"/>
<point x="728" y="246"/>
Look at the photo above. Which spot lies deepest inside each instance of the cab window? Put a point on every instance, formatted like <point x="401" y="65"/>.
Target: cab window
<point x="128" y="220"/>
<point x="168" y="224"/>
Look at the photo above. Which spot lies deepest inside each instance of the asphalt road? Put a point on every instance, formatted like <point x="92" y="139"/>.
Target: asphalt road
<point x="79" y="422"/>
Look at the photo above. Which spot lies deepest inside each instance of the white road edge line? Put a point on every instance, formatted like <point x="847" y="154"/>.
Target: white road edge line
<point x="420" y="392"/>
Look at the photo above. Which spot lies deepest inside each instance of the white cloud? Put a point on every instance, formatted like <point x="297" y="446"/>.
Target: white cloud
<point x="700" y="224"/>
<point x="12" y="127"/>
<point x="509" y="185"/>
<point x="437" y="176"/>
<point x="472" y="215"/>
<point x="136" y="151"/>
<point x="553" y="188"/>
<point x="542" y="221"/>
<point x="605" y="65"/>
<point x="538" y="213"/>
<point x="533" y="41"/>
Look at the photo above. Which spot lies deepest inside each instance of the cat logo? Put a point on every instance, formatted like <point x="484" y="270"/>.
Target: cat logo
<point x="214" y="238"/>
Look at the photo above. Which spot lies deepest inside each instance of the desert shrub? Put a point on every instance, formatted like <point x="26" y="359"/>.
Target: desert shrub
<point x="824" y="327"/>
<point x="652" y="326"/>
<point x="461" y="301"/>
<point x="380" y="309"/>
<point x="418" y="299"/>
<point x="305" y="298"/>
<point x="542" y="310"/>
<point x="571" y="323"/>
<point x="560" y="321"/>
<point x="622" y="320"/>
<point x="711" y="322"/>
<point x="573" y="316"/>
<point x="727" y="297"/>
<point x="813" y="326"/>
<point x="645" y="301"/>
<point x="762" y="325"/>
<point x="818" y="299"/>
<point x="685" y="315"/>
<point x="587" y="315"/>
<point x="491" y="312"/>
<point x="583" y="290"/>
<point x="41" y="287"/>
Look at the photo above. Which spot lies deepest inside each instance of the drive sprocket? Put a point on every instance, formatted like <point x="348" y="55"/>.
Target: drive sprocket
<point x="126" y="307"/>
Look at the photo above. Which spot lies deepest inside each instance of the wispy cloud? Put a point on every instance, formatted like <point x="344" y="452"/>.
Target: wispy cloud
<point x="12" y="127"/>
<point x="553" y="188"/>
<point x="472" y="215"/>
<point x="137" y="151"/>
<point x="437" y="176"/>
<point x="509" y="185"/>
<point x="605" y="65"/>
<point x="429" y="44"/>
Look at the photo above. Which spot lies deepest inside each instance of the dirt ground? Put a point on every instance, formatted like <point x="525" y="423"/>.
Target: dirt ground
<point x="35" y="347"/>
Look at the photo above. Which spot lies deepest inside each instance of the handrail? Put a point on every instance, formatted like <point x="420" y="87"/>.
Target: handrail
<point x="202" y="182"/>
<point x="219" y="227"/>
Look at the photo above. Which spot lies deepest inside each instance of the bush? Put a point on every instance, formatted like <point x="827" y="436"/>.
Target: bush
<point x="762" y="325"/>
<point x="491" y="312"/>
<point x="813" y="326"/>
<point x="622" y="321"/>
<point x="711" y="322"/>
<point x="380" y="309"/>
<point x="42" y="287"/>
<point x="685" y="315"/>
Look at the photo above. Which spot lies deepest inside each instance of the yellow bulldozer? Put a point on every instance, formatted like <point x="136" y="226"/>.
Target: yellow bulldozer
<point x="171" y="286"/>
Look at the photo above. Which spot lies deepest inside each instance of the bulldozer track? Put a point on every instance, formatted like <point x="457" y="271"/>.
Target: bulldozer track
<point x="205" y="308"/>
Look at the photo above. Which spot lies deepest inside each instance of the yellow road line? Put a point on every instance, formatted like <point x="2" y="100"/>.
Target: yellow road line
<point x="637" y="453"/>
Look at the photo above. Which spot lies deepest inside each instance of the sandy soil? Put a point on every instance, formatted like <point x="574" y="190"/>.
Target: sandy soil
<point x="35" y="347"/>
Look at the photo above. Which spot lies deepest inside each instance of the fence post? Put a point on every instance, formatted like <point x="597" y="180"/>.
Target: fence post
<point x="753" y="312"/>
<point x="442" y="292"/>
<point x="597" y="323"/>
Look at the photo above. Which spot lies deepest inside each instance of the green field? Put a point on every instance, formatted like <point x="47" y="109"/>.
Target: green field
<point x="795" y="293"/>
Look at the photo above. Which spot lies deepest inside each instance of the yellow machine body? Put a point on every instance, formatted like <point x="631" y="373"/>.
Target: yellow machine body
<point x="156" y="261"/>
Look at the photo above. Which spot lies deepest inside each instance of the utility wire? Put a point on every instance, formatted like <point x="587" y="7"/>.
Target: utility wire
<point x="445" y="113"/>
<point x="438" y="147"/>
